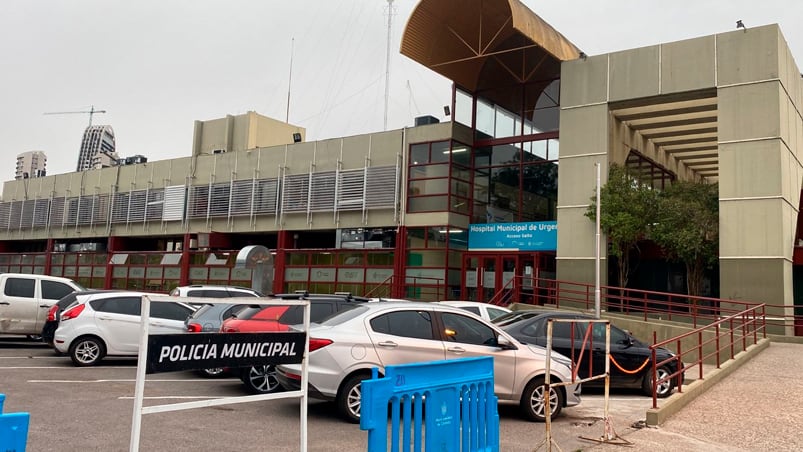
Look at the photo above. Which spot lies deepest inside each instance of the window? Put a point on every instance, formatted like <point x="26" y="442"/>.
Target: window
<point x="121" y="305"/>
<point x="52" y="290"/>
<point x="318" y="311"/>
<point x="415" y="324"/>
<point x="170" y="311"/>
<point x="473" y="309"/>
<point x="239" y="294"/>
<point x="465" y="330"/>
<point x="20" y="287"/>
<point x="617" y="336"/>
<point x="494" y="313"/>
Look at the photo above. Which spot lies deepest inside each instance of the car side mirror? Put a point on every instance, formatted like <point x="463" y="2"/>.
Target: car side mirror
<point x="504" y="343"/>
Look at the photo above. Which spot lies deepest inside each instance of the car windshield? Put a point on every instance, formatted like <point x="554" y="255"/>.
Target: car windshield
<point x="344" y="316"/>
<point x="513" y="317"/>
<point x="201" y="310"/>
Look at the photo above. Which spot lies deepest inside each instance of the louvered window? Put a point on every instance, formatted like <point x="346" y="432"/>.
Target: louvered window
<point x="5" y="215"/>
<point x="241" y="197"/>
<point x="265" y="196"/>
<point x="219" y="200"/>
<point x="120" y="208"/>
<point x="71" y="211"/>
<point x="199" y="201"/>
<point x="173" y="209"/>
<point x="350" y="190"/>
<point x="40" y="213"/>
<point x="136" y="205"/>
<point x="84" y="213"/>
<point x="26" y="215"/>
<point x="154" y="204"/>
<point x="382" y="188"/>
<point x="295" y="190"/>
<point x="57" y="212"/>
<point x="323" y="191"/>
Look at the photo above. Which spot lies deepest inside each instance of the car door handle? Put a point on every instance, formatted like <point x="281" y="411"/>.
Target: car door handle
<point x="5" y="302"/>
<point x="104" y="318"/>
<point x="456" y="349"/>
<point x="389" y="344"/>
<point x="44" y="305"/>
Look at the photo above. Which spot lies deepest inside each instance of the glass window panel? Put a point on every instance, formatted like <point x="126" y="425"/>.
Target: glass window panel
<point x="419" y="154"/>
<point x="440" y="152"/>
<point x="297" y="259"/>
<point x="351" y="259"/>
<point x="323" y="259"/>
<point x="505" y="154"/>
<point x="485" y="119"/>
<point x="57" y="259"/>
<point x="554" y="149"/>
<point x="416" y="238"/>
<point x="460" y="188"/>
<point x="429" y="171"/>
<point x="462" y="107"/>
<point x="171" y="259"/>
<point x="428" y="187"/>
<point x="505" y="124"/>
<point x="428" y="204"/>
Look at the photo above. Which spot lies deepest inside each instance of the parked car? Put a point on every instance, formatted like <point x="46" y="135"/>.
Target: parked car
<point x="108" y="324"/>
<point x="25" y="300"/>
<point x="212" y="291"/>
<point x="345" y="347"/>
<point x="54" y="313"/>
<point x="631" y="359"/>
<point x="485" y="310"/>
<point x="262" y="379"/>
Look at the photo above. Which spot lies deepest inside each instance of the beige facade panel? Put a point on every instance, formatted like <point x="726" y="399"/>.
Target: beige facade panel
<point x="688" y="65"/>
<point x="749" y="111"/>
<point x="577" y="179"/>
<point x="745" y="56"/>
<point x="634" y="73"/>
<point x="431" y="132"/>
<point x="789" y="72"/>
<point x="584" y="81"/>
<point x="751" y="169"/>
<point x="587" y="130"/>
<point x="580" y="271"/>
<point x="426" y="219"/>
<point x="791" y="125"/>
<point x="755" y="228"/>
<point x="756" y="280"/>
<point x="576" y="234"/>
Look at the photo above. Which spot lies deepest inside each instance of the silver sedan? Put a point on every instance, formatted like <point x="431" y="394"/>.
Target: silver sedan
<point x="345" y="347"/>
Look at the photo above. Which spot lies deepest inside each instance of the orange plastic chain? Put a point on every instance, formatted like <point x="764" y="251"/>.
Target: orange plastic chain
<point x="646" y="361"/>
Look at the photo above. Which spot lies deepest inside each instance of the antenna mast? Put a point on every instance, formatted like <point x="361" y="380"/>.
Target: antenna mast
<point x="289" y="80"/>
<point x="387" y="62"/>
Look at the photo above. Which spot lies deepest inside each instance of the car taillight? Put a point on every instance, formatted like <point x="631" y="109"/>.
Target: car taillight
<point x="51" y="313"/>
<point x="194" y="328"/>
<point x="73" y="313"/>
<point x="315" y="344"/>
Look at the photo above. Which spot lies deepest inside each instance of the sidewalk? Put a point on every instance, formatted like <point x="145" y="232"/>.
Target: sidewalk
<point x="757" y="408"/>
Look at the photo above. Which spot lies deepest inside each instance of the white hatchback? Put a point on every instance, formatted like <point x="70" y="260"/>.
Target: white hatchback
<point x="108" y="324"/>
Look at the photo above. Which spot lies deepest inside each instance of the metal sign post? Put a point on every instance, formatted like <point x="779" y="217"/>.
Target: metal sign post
<point x="267" y="351"/>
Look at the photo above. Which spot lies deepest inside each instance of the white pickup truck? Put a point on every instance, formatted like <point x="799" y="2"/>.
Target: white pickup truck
<point x="25" y="300"/>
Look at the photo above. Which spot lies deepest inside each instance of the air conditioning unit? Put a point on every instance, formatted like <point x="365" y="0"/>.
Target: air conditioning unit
<point x="425" y="120"/>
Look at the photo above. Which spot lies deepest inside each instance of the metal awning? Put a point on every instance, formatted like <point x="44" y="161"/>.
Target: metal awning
<point x="485" y="44"/>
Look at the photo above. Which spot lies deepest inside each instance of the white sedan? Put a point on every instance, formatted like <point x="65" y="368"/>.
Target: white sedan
<point x="485" y="310"/>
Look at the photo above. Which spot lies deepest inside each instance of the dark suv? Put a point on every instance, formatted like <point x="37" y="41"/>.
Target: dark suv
<point x="262" y="379"/>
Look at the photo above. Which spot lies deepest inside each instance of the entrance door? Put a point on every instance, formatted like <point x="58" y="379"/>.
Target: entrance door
<point x="503" y="278"/>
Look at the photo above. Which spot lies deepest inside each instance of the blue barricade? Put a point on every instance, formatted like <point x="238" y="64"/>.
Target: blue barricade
<point x="13" y="429"/>
<point x="450" y="405"/>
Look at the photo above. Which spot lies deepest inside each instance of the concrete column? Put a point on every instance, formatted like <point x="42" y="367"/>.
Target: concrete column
<point x="760" y="167"/>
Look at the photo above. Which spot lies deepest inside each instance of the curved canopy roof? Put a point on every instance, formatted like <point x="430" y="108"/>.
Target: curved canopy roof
<point x="482" y="44"/>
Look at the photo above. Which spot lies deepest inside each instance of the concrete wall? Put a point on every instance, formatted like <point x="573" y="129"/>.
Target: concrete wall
<point x="760" y="133"/>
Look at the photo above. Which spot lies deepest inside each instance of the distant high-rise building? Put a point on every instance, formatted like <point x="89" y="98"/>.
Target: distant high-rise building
<point x="31" y="164"/>
<point x="97" y="139"/>
<point x="105" y="160"/>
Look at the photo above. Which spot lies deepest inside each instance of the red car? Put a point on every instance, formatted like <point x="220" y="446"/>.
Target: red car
<point x="253" y="319"/>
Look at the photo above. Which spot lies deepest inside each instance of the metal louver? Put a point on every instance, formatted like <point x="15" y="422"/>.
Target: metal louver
<point x="323" y="192"/>
<point x="173" y="207"/>
<point x="295" y="190"/>
<point x="350" y="188"/>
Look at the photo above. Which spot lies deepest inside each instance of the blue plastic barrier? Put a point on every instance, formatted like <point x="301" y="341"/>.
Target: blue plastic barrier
<point x="13" y="429"/>
<point x="448" y="404"/>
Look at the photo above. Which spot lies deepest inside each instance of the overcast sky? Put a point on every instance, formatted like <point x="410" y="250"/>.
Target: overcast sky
<point x="156" y="66"/>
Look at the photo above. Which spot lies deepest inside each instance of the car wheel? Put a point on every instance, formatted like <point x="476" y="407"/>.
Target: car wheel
<point x="664" y="389"/>
<point x="87" y="351"/>
<point x="261" y="379"/>
<point x="35" y="337"/>
<point x="213" y="372"/>
<point x="533" y="404"/>
<point x="349" y="398"/>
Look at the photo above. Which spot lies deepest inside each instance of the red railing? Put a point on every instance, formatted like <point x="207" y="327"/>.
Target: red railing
<point x="693" y="310"/>
<point x="726" y="337"/>
<point x="410" y="287"/>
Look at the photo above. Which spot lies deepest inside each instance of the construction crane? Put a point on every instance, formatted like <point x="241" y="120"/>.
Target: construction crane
<point x="91" y="112"/>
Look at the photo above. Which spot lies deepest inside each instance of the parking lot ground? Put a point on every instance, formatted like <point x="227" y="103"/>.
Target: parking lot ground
<point x="88" y="409"/>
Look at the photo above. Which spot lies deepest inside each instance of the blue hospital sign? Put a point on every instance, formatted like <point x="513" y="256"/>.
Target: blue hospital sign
<point x="532" y="236"/>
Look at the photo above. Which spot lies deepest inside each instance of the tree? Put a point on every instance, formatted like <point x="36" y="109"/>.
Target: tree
<point x="627" y="211"/>
<point x="687" y="228"/>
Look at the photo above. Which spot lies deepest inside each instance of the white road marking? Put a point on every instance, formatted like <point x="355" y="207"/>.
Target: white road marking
<point x="122" y="380"/>
<point x="173" y="397"/>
